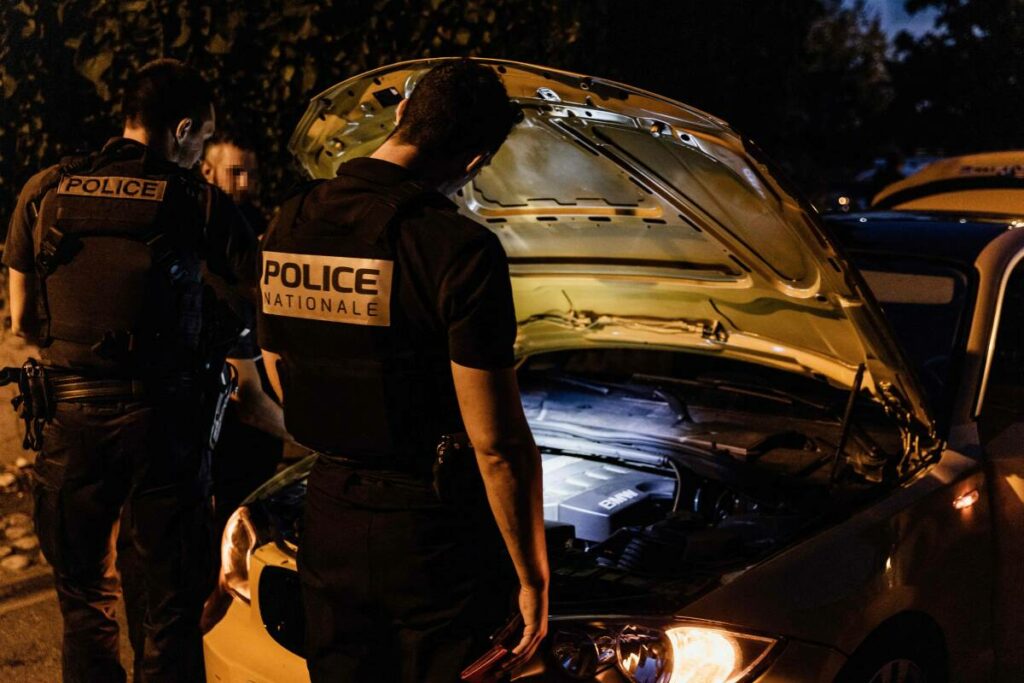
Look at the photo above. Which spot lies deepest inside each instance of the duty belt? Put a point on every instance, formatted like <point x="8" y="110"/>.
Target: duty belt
<point x="41" y="388"/>
<point x="76" y="388"/>
<point x="457" y="440"/>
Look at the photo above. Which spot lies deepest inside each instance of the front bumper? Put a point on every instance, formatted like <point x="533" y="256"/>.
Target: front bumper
<point x="240" y="650"/>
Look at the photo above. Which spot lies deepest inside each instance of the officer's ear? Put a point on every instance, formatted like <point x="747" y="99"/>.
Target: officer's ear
<point x="400" y="110"/>
<point x="182" y="130"/>
<point x="478" y="162"/>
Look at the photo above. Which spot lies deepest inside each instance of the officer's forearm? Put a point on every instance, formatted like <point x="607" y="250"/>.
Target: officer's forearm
<point x="512" y="477"/>
<point x="255" y="408"/>
<point x="24" y="290"/>
<point x="261" y="412"/>
<point x="509" y="463"/>
<point x="270" y="361"/>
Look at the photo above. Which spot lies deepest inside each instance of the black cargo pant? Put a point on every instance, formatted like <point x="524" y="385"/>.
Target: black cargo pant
<point x="97" y="457"/>
<point x="397" y="586"/>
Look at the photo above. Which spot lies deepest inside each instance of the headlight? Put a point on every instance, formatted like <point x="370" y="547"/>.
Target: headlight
<point x="236" y="549"/>
<point x="677" y="652"/>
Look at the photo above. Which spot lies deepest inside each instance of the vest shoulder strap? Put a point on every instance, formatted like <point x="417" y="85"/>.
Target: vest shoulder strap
<point x="388" y="208"/>
<point x="293" y="205"/>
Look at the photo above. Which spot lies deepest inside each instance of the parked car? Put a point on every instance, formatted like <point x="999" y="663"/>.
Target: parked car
<point x="991" y="183"/>
<point x="772" y="450"/>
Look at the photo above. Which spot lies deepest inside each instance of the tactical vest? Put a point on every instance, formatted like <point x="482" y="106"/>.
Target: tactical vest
<point x="355" y="384"/>
<point x="119" y="268"/>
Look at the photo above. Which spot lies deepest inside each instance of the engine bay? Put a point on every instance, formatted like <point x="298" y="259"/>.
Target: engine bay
<point x="654" y="475"/>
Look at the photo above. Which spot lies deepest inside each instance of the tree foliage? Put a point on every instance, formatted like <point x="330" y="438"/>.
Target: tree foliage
<point x="961" y="88"/>
<point x="63" y="63"/>
<point x="810" y="80"/>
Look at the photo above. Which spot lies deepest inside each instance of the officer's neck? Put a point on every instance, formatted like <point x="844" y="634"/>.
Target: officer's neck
<point x="161" y="145"/>
<point x="412" y="159"/>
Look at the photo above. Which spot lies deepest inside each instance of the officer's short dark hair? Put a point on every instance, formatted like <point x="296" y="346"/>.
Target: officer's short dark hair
<point x="459" y="106"/>
<point x="165" y="91"/>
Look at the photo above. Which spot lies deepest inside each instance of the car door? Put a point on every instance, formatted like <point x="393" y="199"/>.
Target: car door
<point x="1001" y="430"/>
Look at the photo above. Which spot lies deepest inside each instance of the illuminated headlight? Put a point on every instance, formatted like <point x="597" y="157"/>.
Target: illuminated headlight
<point x="678" y="652"/>
<point x="236" y="550"/>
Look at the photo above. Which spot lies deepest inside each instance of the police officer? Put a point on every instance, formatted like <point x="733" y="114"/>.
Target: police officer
<point x="105" y="255"/>
<point x="383" y="313"/>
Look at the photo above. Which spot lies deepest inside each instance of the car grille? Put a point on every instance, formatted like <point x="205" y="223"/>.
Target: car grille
<point x="281" y="608"/>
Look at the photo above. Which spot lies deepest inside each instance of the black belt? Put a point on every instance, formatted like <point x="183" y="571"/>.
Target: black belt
<point x="68" y="387"/>
<point x="390" y="462"/>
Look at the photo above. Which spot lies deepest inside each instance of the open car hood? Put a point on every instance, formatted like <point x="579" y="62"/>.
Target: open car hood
<point x="629" y="218"/>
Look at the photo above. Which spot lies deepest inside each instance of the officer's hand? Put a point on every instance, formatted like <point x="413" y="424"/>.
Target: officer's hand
<point x="533" y="605"/>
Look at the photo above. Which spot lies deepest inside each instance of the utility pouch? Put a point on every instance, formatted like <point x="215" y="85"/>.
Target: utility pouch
<point x="456" y="477"/>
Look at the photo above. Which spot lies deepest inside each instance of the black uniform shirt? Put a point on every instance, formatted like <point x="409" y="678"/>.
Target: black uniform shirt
<point x="227" y="244"/>
<point x="450" y="299"/>
<point x="454" y="294"/>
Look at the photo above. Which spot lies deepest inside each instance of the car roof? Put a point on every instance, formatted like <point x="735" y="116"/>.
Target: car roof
<point x="945" y="236"/>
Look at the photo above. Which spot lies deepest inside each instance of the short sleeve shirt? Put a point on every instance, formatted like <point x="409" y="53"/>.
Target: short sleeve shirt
<point x="452" y="288"/>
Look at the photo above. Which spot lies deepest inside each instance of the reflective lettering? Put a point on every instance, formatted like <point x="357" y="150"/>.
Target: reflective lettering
<point x="113" y="187"/>
<point x="336" y="279"/>
<point x="270" y="269"/>
<point x="296" y="278"/>
<point x="365" y="281"/>
<point x="307" y="282"/>
<point x="337" y="289"/>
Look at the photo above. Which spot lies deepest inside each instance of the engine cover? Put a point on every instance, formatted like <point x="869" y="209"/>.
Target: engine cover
<point x="598" y="498"/>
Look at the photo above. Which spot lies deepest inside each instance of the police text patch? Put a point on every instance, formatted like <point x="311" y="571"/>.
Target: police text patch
<point x="335" y="289"/>
<point x="113" y="187"/>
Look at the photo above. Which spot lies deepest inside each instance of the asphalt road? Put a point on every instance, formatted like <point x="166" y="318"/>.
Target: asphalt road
<point x="30" y="635"/>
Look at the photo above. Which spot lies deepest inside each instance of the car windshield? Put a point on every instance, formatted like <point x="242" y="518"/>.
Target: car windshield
<point x="927" y="305"/>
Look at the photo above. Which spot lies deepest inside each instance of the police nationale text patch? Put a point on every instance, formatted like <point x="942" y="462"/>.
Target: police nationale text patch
<point x="334" y="289"/>
<point x="113" y="187"/>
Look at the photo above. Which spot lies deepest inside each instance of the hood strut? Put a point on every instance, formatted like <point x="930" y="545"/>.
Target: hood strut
<point x="844" y="433"/>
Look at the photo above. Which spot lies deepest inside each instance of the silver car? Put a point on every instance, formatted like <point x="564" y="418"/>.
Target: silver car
<point x="774" y="450"/>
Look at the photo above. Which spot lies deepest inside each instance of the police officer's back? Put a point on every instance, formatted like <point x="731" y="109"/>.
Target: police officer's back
<point x="383" y="310"/>
<point x="105" y="254"/>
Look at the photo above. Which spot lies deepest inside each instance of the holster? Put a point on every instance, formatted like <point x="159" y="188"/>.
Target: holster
<point x="34" y="403"/>
<point x="216" y="396"/>
<point x="456" y="477"/>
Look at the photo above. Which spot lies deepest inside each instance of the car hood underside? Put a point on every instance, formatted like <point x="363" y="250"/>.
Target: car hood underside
<point x="629" y="218"/>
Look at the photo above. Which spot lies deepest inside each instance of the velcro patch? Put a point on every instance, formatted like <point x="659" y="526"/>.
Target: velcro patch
<point x="335" y="289"/>
<point x="113" y="187"/>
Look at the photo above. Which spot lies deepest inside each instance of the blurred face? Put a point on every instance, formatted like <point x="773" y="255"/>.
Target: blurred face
<point x="233" y="170"/>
